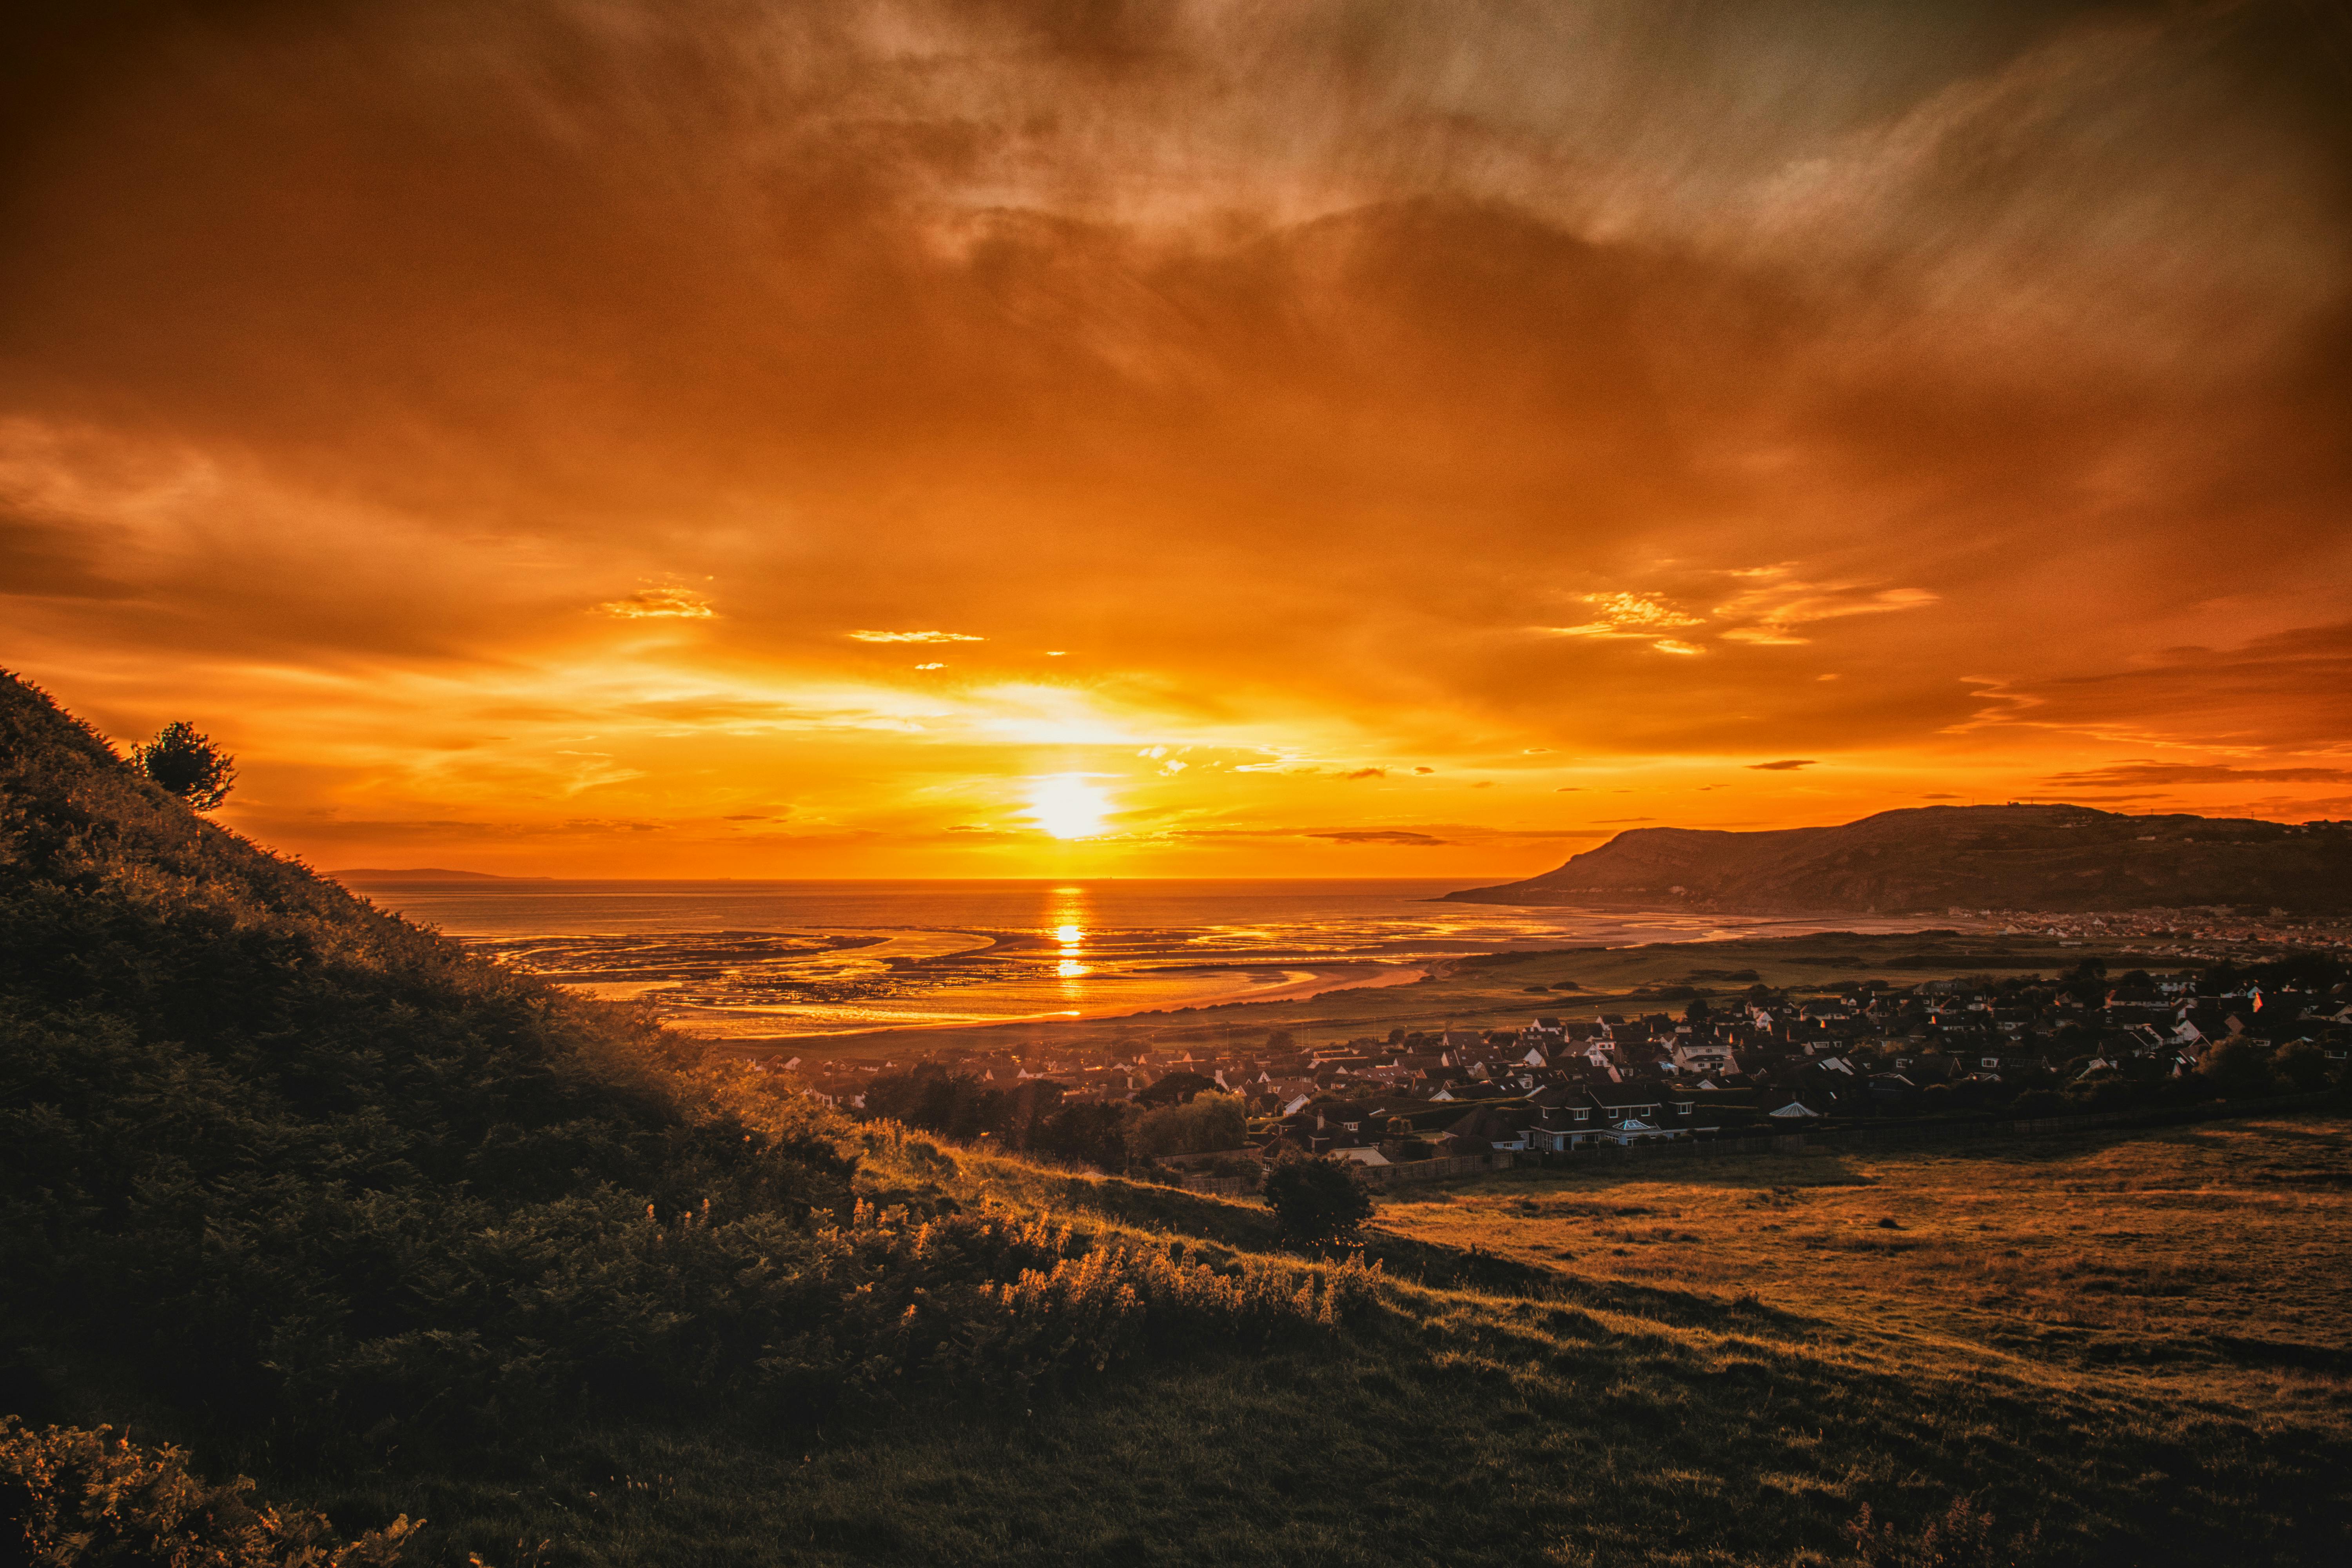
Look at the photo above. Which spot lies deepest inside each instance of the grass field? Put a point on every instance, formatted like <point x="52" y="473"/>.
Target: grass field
<point x="2098" y="1349"/>
<point x="2212" y="1263"/>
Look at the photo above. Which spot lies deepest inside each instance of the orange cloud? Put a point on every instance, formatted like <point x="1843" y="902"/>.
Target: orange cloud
<point x="913" y="636"/>
<point x="651" y="603"/>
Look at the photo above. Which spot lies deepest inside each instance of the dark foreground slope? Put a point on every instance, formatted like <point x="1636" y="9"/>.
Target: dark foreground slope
<point x="401" y="1232"/>
<point x="297" y="1178"/>
<point x="2054" y="858"/>
<point x="254" y="1133"/>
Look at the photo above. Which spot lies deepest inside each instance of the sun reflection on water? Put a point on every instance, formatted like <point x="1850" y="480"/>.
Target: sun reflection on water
<point x="1069" y="909"/>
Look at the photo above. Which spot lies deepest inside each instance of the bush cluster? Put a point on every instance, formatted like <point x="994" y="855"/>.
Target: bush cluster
<point x="75" y="1498"/>
<point x="1202" y="1125"/>
<point x="1317" y="1201"/>
<point x="1004" y="1304"/>
<point x="1028" y="1118"/>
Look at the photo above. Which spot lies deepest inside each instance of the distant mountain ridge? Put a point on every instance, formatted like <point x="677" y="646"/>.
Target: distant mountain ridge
<point x="2057" y="859"/>
<point x="418" y="874"/>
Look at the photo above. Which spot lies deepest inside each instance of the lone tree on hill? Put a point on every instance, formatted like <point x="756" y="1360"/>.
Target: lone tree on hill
<point x="188" y="764"/>
<point x="1316" y="1200"/>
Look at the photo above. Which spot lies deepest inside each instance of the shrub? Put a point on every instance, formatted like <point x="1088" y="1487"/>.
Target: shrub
<point x="2037" y="1102"/>
<point x="2237" y="1069"/>
<point x="75" y="1498"/>
<point x="187" y="764"/>
<point x="1316" y="1200"/>
<point x="1209" y="1122"/>
<point x="1962" y="1536"/>
<point x="997" y="1303"/>
<point x="1030" y="1117"/>
<point x="1176" y="1088"/>
<point x="2303" y="1067"/>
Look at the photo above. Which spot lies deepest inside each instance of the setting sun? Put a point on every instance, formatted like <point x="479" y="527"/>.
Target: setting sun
<point x="1067" y="807"/>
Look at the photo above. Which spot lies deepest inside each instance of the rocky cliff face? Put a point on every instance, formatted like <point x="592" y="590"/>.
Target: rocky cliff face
<point x="2052" y="858"/>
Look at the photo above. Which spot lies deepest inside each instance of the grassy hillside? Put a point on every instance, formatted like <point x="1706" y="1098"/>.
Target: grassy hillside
<point x="403" y="1233"/>
<point x="1729" y="1370"/>
<point x="320" y="1191"/>
<point x="272" y="1158"/>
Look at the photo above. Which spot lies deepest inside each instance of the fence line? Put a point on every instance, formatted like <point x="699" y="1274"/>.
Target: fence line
<point x="1434" y="1170"/>
<point x="1711" y="1149"/>
<point x="1670" y="1149"/>
<point x="1220" y="1187"/>
<point x="2164" y="1116"/>
<point x="1895" y="1134"/>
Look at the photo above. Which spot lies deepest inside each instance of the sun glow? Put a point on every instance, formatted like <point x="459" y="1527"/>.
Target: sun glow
<point x="1067" y="806"/>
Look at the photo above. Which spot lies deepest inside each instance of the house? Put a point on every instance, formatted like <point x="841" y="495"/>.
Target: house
<point x="1638" y="1113"/>
<point x="1563" y="1119"/>
<point x="1702" y="1057"/>
<point x="1891" y="1088"/>
<point x="1492" y="1127"/>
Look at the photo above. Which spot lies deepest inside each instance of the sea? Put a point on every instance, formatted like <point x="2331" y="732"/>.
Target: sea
<point x="781" y="960"/>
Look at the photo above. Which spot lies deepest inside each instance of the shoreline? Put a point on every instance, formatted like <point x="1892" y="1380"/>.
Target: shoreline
<point x="1294" y="987"/>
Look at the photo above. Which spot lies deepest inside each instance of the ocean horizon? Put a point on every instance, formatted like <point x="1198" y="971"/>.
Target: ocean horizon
<point x="766" y="958"/>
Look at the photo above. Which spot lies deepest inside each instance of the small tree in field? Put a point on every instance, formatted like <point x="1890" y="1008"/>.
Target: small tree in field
<point x="1316" y="1200"/>
<point x="2238" y="1070"/>
<point x="188" y="764"/>
<point x="2303" y="1066"/>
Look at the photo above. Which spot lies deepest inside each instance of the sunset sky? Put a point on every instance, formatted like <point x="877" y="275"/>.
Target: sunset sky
<point x="715" y="439"/>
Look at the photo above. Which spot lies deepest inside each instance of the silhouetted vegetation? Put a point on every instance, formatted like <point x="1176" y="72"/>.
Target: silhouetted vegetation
<point x="75" y="1498"/>
<point x="188" y="764"/>
<point x="1201" y="1125"/>
<point x="1177" y="1088"/>
<point x="1318" y="1201"/>
<point x="1029" y="1116"/>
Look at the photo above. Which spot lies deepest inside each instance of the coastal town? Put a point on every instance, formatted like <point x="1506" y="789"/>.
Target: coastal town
<point x="2194" y="934"/>
<point x="1750" y="1063"/>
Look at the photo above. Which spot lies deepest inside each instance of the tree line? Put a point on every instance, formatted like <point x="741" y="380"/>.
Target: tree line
<point x="1181" y="1113"/>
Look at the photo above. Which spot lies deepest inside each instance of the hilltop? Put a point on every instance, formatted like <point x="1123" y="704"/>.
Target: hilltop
<point x="2057" y="859"/>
